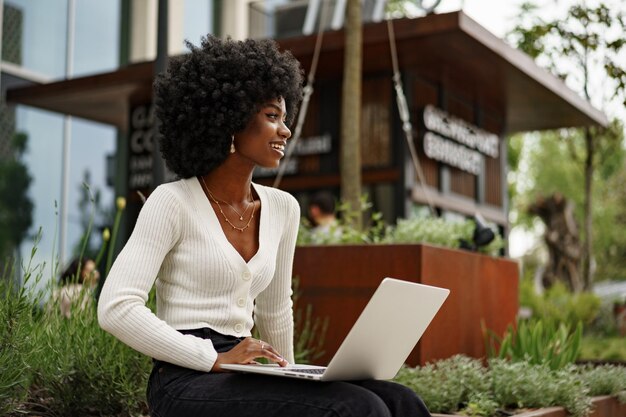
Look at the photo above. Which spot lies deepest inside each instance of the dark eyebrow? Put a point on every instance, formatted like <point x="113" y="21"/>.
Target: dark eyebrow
<point x="275" y="106"/>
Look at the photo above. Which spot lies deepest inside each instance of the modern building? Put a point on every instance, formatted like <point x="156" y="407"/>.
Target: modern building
<point x="466" y="90"/>
<point x="46" y="42"/>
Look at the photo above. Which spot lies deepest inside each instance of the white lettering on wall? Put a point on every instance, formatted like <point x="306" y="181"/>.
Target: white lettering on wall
<point x="452" y="153"/>
<point x="141" y="140"/>
<point x="461" y="131"/>
<point x="314" y="145"/>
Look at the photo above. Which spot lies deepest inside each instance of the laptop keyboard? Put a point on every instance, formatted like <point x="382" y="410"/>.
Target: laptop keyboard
<point x="315" y="371"/>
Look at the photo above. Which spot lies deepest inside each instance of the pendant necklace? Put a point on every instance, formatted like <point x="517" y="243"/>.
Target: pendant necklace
<point x="219" y="206"/>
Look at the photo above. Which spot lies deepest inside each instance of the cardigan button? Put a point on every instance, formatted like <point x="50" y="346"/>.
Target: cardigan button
<point x="247" y="275"/>
<point x="241" y="302"/>
<point x="238" y="327"/>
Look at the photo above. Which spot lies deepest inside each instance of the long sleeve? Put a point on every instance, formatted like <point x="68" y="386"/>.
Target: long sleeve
<point x="274" y="306"/>
<point x="122" y="307"/>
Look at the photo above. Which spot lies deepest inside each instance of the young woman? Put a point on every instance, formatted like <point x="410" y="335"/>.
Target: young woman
<point x="220" y="248"/>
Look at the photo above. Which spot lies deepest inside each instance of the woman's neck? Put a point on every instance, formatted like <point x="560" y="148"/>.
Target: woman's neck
<point x="231" y="185"/>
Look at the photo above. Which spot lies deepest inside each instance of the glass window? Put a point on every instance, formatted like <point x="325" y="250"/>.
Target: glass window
<point x="42" y="49"/>
<point x="96" y="37"/>
<point x="198" y="20"/>
<point x="36" y="35"/>
<point x="90" y="146"/>
<point x="43" y="33"/>
<point x="43" y="158"/>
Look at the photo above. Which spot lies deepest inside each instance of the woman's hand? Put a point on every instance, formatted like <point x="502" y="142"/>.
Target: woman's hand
<point x="246" y="352"/>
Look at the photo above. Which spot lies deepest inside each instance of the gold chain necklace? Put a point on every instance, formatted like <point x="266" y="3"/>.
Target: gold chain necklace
<point x="219" y="206"/>
<point x="231" y="206"/>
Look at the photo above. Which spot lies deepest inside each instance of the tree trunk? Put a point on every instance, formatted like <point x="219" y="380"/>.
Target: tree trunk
<point x="562" y="241"/>
<point x="351" y="113"/>
<point x="587" y="255"/>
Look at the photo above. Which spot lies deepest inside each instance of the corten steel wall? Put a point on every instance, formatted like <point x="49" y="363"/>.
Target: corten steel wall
<point x="339" y="280"/>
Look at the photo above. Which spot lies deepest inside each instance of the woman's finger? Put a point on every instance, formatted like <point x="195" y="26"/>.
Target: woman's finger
<point x="272" y="354"/>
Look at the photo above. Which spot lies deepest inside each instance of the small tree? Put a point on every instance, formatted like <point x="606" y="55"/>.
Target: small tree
<point x="16" y="207"/>
<point x="587" y="40"/>
<point x="351" y="111"/>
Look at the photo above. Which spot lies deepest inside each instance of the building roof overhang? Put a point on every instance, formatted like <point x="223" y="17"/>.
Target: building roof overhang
<point x="104" y="98"/>
<point x="448" y="48"/>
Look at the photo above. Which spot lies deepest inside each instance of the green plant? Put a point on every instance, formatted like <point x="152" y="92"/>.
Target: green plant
<point x="480" y="404"/>
<point x="523" y="384"/>
<point x="606" y="324"/>
<point x="52" y="366"/>
<point x="16" y="348"/>
<point x="439" y="231"/>
<point x="463" y="385"/>
<point x="604" y="380"/>
<point x="447" y="385"/>
<point x="82" y="370"/>
<point x="309" y="332"/>
<point x="537" y="343"/>
<point x="603" y="348"/>
<point x="344" y="232"/>
<point x="16" y="207"/>
<point x="433" y="230"/>
<point x="559" y="305"/>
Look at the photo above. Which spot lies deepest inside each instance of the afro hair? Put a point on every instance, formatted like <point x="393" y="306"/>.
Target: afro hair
<point x="212" y="92"/>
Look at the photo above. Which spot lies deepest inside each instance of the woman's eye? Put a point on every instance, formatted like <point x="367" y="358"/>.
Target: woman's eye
<point x="272" y="115"/>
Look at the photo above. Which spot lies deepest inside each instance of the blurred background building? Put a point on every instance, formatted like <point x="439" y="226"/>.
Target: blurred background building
<point x="47" y="41"/>
<point x="95" y="60"/>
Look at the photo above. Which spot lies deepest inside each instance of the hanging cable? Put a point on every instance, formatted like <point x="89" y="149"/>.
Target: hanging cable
<point x="403" y="110"/>
<point x="308" y="91"/>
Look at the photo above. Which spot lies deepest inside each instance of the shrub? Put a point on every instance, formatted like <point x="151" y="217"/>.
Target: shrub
<point x="603" y="348"/>
<point x="461" y="384"/>
<point x="559" y="305"/>
<point x="437" y="231"/>
<point x="604" y="380"/>
<point x="432" y="230"/>
<point x="83" y="370"/>
<point x="522" y="384"/>
<point x="16" y="349"/>
<point x="445" y="386"/>
<point x="343" y="232"/>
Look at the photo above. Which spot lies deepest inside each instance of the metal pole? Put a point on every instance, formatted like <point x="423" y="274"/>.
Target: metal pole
<point x="158" y="164"/>
<point x="67" y="136"/>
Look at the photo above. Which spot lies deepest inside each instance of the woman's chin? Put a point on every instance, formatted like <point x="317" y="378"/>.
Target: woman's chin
<point x="270" y="165"/>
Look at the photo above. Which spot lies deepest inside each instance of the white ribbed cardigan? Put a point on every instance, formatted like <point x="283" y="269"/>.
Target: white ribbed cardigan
<point x="201" y="280"/>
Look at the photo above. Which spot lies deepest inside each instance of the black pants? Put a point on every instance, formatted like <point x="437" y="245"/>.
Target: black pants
<point x="180" y="392"/>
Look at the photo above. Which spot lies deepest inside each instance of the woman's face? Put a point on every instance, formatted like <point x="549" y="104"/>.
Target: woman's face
<point x="264" y="139"/>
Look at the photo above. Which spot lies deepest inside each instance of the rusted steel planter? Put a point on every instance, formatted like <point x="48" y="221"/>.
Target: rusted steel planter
<point x="339" y="280"/>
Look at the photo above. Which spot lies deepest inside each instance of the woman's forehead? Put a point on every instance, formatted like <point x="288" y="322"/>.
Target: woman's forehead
<point x="278" y="103"/>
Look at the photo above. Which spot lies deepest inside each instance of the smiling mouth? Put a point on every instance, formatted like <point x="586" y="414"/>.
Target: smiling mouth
<point x="278" y="146"/>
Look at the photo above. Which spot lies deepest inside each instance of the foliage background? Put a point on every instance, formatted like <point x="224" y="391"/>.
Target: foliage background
<point x="585" y="47"/>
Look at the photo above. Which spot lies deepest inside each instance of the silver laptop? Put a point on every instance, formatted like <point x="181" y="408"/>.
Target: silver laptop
<point x="379" y="342"/>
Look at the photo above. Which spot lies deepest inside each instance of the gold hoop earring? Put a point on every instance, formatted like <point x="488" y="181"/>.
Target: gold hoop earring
<point x="232" y="144"/>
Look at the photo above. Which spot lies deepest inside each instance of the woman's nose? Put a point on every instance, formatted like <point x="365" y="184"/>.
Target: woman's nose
<point x="284" y="131"/>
